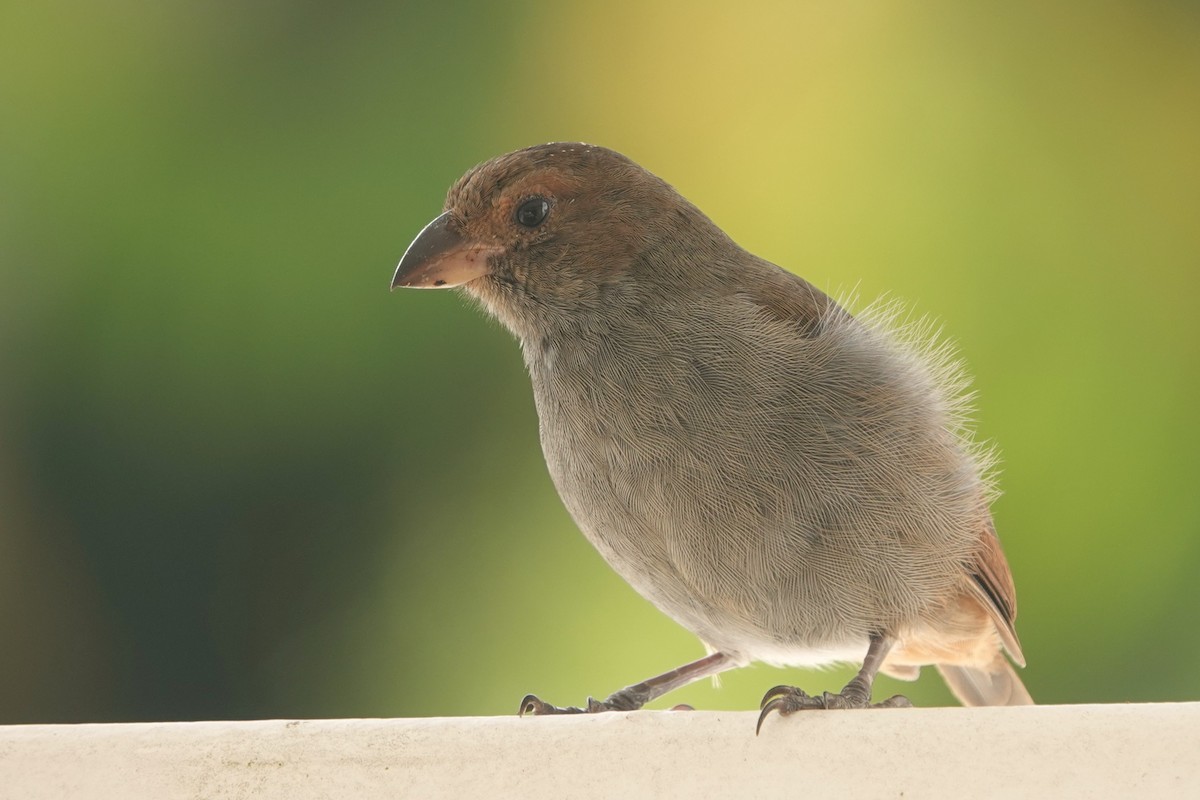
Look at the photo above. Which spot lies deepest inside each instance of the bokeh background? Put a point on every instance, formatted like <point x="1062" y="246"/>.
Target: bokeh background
<point x="240" y="479"/>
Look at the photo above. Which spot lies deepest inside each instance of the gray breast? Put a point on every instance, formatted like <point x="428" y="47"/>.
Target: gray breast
<point x="761" y="487"/>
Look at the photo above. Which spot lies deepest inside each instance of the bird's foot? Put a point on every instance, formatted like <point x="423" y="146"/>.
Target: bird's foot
<point x="532" y="704"/>
<point x="624" y="700"/>
<point x="790" y="699"/>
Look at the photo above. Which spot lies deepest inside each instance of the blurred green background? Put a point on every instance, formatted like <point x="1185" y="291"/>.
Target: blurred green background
<point x="238" y="478"/>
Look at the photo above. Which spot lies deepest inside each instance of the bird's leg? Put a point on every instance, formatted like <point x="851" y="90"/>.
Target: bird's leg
<point x="634" y="697"/>
<point x="857" y="693"/>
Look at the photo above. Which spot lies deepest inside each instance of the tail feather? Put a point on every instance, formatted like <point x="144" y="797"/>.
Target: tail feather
<point x="995" y="685"/>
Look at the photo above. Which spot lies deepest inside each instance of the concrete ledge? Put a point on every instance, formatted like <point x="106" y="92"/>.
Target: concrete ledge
<point x="1041" y="751"/>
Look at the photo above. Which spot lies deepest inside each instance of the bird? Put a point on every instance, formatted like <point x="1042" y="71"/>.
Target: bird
<point x="793" y="483"/>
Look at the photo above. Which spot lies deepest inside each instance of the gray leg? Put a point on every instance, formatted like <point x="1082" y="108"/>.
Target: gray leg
<point x="634" y="697"/>
<point x="857" y="694"/>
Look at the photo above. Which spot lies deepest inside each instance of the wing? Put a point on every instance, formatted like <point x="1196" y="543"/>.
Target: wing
<point x="789" y="298"/>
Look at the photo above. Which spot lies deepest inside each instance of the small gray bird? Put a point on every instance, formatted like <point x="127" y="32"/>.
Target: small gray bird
<point x="791" y="483"/>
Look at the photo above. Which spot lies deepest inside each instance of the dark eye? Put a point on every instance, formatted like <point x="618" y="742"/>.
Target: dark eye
<point x="533" y="212"/>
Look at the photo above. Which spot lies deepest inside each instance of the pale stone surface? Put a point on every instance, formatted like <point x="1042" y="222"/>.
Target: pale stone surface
<point x="1042" y="751"/>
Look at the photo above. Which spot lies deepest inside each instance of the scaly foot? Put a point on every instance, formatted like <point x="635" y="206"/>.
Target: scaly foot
<point x="625" y="700"/>
<point x="790" y="699"/>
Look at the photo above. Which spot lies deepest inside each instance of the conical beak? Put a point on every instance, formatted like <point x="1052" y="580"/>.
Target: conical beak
<point x="440" y="258"/>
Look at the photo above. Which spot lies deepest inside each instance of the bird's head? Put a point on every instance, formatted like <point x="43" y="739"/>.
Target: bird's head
<point x="554" y="229"/>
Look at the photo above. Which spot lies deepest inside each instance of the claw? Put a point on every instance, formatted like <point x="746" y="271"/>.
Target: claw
<point x="532" y="704"/>
<point x="785" y="700"/>
<point x="767" y="709"/>
<point x="789" y="699"/>
<point x="780" y="691"/>
<point x="529" y="705"/>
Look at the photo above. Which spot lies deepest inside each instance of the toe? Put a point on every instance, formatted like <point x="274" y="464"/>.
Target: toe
<point x="895" y="701"/>
<point x="532" y="704"/>
<point x="776" y="692"/>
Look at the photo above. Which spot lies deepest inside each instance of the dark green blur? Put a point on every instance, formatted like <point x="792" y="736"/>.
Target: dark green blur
<point x="239" y="479"/>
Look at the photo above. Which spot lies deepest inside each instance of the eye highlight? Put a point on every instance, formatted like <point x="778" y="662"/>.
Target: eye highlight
<point x="533" y="212"/>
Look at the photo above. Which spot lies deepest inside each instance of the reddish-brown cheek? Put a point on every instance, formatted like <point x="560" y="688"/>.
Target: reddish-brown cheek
<point x="502" y="209"/>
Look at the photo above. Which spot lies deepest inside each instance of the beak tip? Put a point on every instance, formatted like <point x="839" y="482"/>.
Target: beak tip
<point x="440" y="258"/>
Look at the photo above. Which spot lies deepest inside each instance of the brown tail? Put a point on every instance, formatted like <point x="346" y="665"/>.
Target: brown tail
<point x="995" y="685"/>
